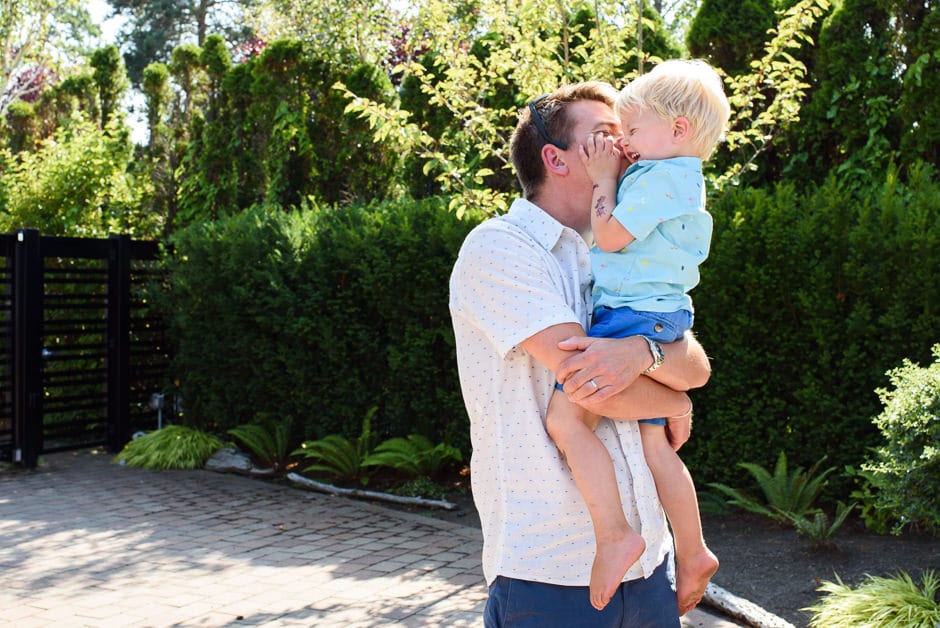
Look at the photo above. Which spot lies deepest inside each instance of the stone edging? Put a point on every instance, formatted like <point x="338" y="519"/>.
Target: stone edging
<point x="739" y="608"/>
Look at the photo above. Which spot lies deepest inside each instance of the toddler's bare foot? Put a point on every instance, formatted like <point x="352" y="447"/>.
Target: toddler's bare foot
<point x="692" y="576"/>
<point x="613" y="558"/>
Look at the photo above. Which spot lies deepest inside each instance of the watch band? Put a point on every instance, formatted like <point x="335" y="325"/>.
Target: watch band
<point x="659" y="356"/>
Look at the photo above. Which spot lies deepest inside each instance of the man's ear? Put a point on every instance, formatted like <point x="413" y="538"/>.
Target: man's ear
<point x="555" y="160"/>
<point x="680" y="128"/>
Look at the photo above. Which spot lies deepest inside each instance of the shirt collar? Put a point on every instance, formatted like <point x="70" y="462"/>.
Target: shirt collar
<point x="536" y="222"/>
<point x="691" y="163"/>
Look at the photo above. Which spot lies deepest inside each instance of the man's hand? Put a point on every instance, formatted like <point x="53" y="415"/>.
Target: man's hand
<point x="603" y="377"/>
<point x="602" y="367"/>
<point x="602" y="158"/>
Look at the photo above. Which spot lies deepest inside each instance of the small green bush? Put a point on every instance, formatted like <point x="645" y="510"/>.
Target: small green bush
<point x="877" y="602"/>
<point x="420" y="487"/>
<point x="904" y="471"/>
<point x="874" y="518"/>
<point x="172" y="447"/>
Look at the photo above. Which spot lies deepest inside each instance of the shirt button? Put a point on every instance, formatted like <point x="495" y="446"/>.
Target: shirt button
<point x="658" y="327"/>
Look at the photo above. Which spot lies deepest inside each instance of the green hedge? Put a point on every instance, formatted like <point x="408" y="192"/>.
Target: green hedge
<point x="320" y="315"/>
<point x="807" y="299"/>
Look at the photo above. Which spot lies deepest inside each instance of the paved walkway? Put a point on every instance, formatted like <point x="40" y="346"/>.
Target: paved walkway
<point x="87" y="543"/>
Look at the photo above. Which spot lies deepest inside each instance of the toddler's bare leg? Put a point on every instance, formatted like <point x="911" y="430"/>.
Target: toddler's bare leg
<point x="695" y="563"/>
<point x="618" y="545"/>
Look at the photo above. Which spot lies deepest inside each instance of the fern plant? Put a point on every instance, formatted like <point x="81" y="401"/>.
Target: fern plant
<point x="414" y="456"/>
<point x="785" y="493"/>
<point x="339" y="457"/>
<point x="817" y="528"/>
<point x="267" y="440"/>
<point x="896" y="602"/>
<point x="172" y="447"/>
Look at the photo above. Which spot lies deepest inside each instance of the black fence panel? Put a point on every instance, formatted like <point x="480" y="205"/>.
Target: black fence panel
<point x="83" y="354"/>
<point x="7" y="248"/>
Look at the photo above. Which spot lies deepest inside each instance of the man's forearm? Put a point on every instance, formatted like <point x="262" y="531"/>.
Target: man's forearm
<point x="645" y="399"/>
<point x="613" y="364"/>
<point x="686" y="365"/>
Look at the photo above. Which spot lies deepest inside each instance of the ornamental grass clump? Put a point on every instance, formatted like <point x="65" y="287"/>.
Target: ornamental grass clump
<point x="172" y="447"/>
<point x="896" y="602"/>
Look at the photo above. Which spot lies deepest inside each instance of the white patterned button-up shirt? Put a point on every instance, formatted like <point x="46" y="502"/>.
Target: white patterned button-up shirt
<point x="517" y="275"/>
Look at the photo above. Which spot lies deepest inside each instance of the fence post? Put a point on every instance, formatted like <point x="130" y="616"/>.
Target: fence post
<point x="27" y="348"/>
<point x="119" y="352"/>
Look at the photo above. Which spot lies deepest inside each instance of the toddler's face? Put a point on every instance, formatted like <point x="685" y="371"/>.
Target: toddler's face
<point x="646" y="136"/>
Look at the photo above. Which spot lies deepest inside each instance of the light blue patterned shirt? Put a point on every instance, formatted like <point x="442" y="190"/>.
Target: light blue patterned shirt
<point x="662" y="204"/>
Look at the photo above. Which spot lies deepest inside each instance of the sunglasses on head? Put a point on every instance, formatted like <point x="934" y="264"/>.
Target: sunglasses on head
<point x="540" y="124"/>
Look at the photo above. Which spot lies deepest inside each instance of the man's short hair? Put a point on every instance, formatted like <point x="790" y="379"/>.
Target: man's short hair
<point x="681" y="88"/>
<point x="525" y="147"/>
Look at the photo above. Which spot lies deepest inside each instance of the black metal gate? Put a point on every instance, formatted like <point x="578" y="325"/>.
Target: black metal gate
<point x="82" y="353"/>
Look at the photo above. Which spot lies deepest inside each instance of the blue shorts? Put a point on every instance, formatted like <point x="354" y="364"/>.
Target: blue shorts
<point x="642" y="603"/>
<point x="624" y="321"/>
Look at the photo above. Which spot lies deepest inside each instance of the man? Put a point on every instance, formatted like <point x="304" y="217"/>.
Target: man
<point x="520" y="302"/>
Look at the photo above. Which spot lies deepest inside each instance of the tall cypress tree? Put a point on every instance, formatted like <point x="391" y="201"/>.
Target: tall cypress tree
<point x="730" y="33"/>
<point x="156" y="27"/>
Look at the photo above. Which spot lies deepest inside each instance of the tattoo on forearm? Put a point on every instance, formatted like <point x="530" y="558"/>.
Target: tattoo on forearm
<point x="600" y="207"/>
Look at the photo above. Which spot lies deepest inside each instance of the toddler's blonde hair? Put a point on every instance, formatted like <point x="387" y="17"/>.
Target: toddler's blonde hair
<point x="679" y="88"/>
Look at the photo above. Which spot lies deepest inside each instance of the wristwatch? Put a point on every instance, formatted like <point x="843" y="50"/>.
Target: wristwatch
<point x="659" y="356"/>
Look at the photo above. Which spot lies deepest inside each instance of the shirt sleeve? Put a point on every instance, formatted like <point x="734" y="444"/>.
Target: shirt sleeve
<point x="506" y="285"/>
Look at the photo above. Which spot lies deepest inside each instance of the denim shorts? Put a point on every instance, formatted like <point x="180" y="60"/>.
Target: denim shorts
<point x="642" y="603"/>
<point x="624" y="321"/>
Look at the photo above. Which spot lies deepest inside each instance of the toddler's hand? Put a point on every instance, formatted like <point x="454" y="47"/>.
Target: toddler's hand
<point x="601" y="156"/>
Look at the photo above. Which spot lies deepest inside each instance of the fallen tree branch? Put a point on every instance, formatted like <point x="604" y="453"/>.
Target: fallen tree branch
<point x="355" y="492"/>
<point x="742" y="609"/>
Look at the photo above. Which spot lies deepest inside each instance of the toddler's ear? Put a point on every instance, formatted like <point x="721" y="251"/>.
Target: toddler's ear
<point x="680" y="128"/>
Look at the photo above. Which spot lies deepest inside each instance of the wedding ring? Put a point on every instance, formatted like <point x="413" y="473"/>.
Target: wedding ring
<point x="593" y="383"/>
